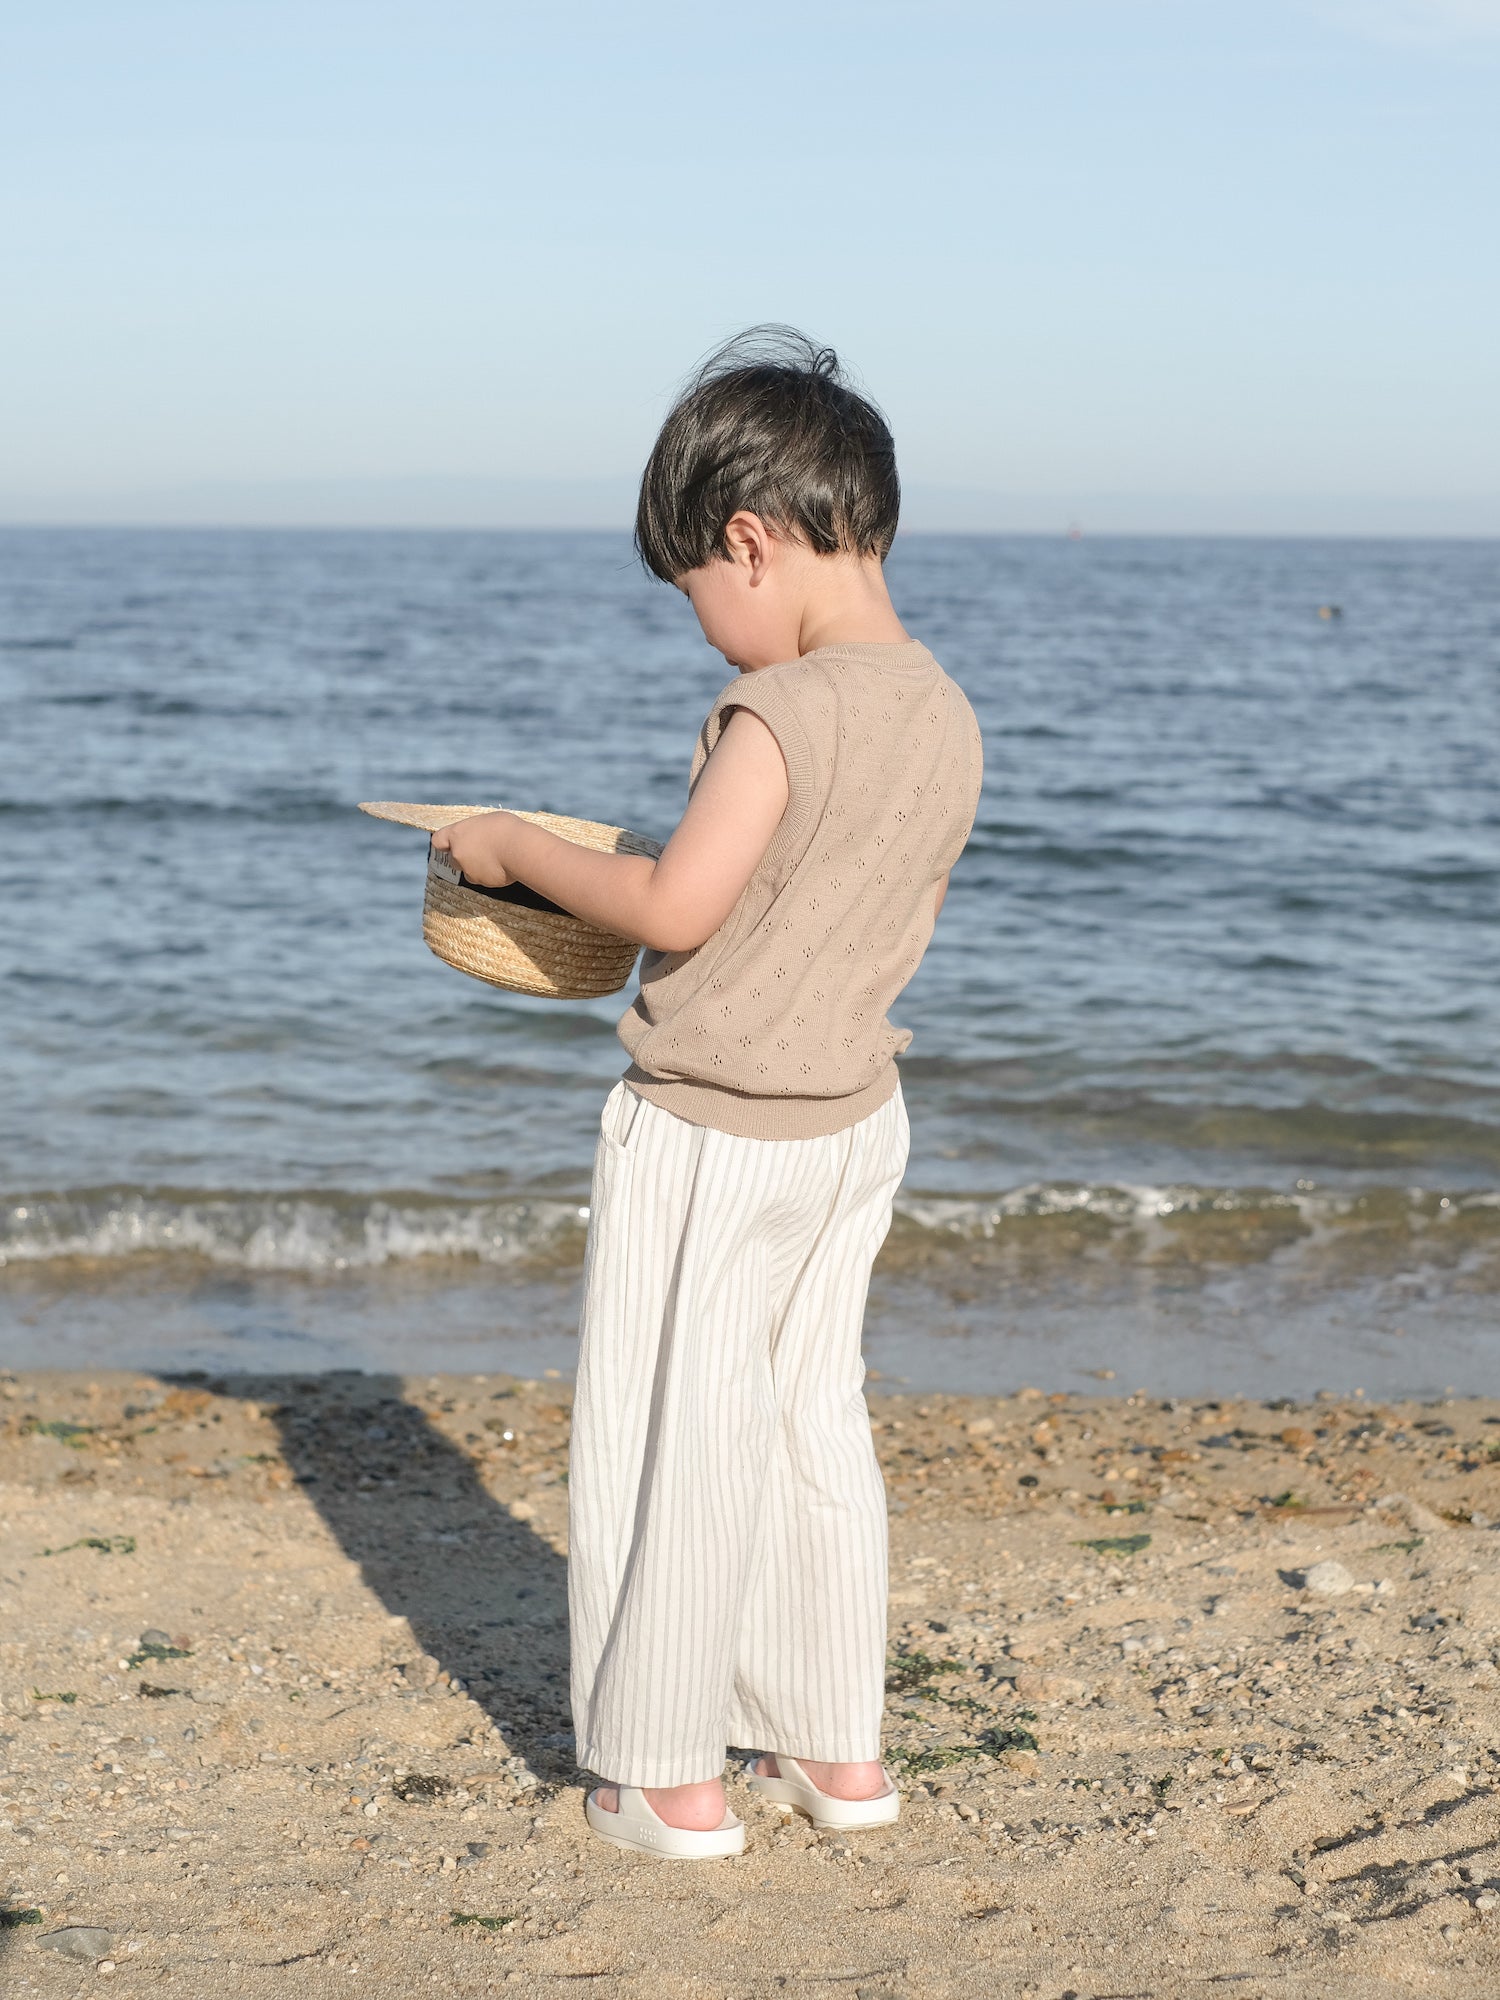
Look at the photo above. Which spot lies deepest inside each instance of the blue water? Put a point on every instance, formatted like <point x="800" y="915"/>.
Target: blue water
<point x="1229" y="918"/>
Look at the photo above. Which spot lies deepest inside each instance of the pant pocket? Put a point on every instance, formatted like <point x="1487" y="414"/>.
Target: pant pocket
<point x="620" y="1118"/>
<point x="606" y="1254"/>
<point x="903" y="1129"/>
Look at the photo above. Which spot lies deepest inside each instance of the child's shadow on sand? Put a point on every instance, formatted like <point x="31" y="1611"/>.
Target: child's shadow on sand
<point x="483" y="1594"/>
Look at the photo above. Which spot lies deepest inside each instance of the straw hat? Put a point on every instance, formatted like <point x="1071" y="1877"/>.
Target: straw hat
<point x="514" y="937"/>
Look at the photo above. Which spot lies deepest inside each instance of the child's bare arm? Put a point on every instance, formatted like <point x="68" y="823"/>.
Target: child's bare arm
<point x="675" y="903"/>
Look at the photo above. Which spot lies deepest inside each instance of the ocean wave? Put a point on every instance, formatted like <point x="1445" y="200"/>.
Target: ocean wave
<point x="1366" y="1120"/>
<point x="984" y="1217"/>
<point x="328" y="1234"/>
<point x="268" y="806"/>
<point x="315" y="1234"/>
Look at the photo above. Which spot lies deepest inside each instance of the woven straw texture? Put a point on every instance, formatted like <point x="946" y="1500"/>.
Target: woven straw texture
<point x="545" y="952"/>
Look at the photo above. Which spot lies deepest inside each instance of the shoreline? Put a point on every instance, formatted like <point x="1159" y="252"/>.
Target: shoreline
<point x="1146" y="1742"/>
<point x="1259" y="1330"/>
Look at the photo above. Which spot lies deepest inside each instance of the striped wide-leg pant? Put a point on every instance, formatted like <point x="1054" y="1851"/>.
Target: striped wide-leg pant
<point x="727" y="1522"/>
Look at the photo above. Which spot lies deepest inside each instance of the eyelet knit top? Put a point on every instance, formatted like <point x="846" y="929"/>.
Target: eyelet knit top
<point x="776" y="1028"/>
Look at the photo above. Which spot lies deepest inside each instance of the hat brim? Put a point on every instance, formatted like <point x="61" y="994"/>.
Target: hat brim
<point x="582" y="832"/>
<point x="430" y="818"/>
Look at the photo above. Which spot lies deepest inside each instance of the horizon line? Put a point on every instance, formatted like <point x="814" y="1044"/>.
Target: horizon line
<point x="1080" y="533"/>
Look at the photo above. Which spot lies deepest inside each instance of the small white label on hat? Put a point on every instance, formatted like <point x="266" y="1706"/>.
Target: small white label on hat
<point x="441" y="862"/>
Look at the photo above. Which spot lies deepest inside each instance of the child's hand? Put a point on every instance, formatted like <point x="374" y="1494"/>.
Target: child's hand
<point x="477" y="846"/>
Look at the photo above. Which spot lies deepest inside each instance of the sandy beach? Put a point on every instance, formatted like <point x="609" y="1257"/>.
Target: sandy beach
<point x="1185" y="1698"/>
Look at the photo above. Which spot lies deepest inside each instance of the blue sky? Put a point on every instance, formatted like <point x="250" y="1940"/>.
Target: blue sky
<point x="1150" y="263"/>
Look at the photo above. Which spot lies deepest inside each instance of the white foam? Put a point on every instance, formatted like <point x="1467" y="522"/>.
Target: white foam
<point x="304" y="1233"/>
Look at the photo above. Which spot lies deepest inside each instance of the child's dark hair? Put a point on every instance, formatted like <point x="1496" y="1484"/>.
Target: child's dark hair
<point x="770" y="425"/>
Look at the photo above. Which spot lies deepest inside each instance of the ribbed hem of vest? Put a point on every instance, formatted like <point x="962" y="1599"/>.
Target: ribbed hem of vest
<point x="746" y="1117"/>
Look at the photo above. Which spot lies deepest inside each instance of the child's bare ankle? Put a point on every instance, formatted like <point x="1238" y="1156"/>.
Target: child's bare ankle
<point x="837" y="1781"/>
<point x="697" y="1808"/>
<point x="848" y="1781"/>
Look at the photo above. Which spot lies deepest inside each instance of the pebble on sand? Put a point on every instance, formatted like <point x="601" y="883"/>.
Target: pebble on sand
<point x="80" y="1941"/>
<point x="1328" y="1579"/>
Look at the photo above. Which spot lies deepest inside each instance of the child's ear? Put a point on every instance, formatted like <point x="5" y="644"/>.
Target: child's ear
<point x="750" y="544"/>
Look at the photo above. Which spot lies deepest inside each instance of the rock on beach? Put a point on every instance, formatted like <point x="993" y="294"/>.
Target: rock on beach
<point x="1328" y="1579"/>
<point x="78" y="1941"/>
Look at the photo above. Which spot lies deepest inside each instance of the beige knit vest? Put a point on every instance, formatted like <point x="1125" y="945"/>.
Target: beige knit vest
<point x="776" y="1027"/>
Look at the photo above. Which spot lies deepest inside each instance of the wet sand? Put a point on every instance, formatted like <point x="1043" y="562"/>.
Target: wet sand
<point x="282" y="1666"/>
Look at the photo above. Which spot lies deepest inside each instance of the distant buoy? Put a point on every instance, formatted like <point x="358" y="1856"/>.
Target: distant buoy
<point x="1330" y="611"/>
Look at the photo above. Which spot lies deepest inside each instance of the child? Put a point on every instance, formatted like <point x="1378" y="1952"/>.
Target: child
<point x="727" y="1515"/>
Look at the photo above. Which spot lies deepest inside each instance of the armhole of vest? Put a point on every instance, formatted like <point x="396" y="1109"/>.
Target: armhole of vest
<point x="780" y="717"/>
<point x="976" y="768"/>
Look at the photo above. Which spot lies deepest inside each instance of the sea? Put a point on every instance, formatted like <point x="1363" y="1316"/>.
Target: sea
<point x="1205" y="1079"/>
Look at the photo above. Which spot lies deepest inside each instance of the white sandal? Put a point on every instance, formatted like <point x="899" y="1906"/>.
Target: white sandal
<point x="637" y="1826"/>
<point x="796" y="1790"/>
